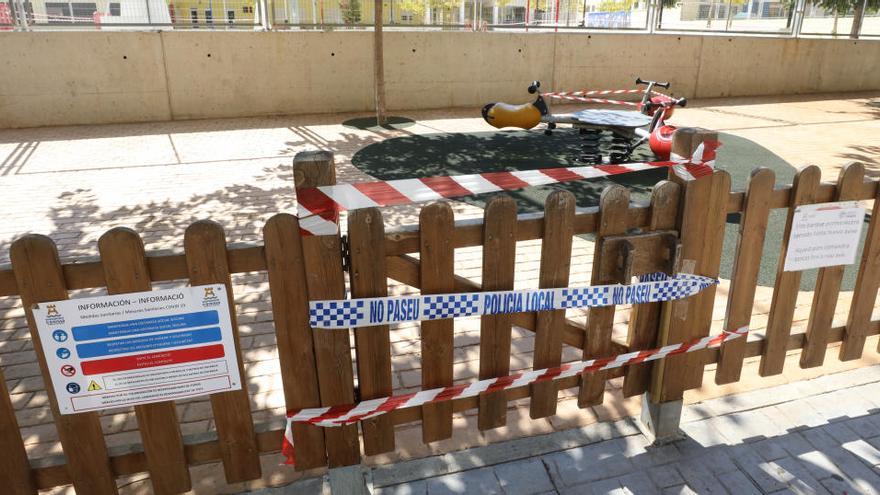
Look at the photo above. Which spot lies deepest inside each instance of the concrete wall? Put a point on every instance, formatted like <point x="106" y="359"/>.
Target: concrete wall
<point x="57" y="78"/>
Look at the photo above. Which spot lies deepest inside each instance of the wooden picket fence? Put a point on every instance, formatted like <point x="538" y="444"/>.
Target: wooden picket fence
<point x="681" y="228"/>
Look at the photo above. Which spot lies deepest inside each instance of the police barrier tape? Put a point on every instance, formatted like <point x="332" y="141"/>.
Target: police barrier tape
<point x="372" y="311"/>
<point x="318" y="207"/>
<point x="352" y="413"/>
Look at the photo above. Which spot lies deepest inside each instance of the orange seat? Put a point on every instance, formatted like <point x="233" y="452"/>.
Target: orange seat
<point x="502" y="115"/>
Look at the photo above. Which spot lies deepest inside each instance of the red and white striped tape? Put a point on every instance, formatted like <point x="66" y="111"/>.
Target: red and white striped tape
<point x="318" y="207"/>
<point x="597" y="92"/>
<point x="603" y="101"/>
<point x="584" y="96"/>
<point x="352" y="413"/>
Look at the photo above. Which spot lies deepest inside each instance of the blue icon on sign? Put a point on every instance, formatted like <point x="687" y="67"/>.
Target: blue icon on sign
<point x="73" y="388"/>
<point x="63" y="353"/>
<point x="59" y="335"/>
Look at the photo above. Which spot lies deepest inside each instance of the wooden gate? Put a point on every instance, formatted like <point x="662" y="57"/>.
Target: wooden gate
<point x="683" y="224"/>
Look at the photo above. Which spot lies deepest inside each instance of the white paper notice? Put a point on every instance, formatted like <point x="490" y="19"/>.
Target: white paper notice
<point x="825" y="234"/>
<point x="138" y="348"/>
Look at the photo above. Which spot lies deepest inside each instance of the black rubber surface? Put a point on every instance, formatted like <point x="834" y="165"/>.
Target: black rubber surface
<point x="469" y="153"/>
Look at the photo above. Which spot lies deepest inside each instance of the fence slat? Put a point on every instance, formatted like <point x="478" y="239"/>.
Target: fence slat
<point x="644" y="320"/>
<point x="436" y="273"/>
<point x="554" y="272"/>
<point x="703" y="216"/>
<point x="39" y="278"/>
<point x="326" y="280"/>
<point x="864" y="293"/>
<point x="205" y="248"/>
<point x="290" y="309"/>
<point x="849" y="185"/>
<point x="125" y="269"/>
<point x="366" y="237"/>
<point x="746" y="266"/>
<point x="15" y="471"/>
<point x="499" y="265"/>
<point x="787" y="285"/>
<point x="613" y="205"/>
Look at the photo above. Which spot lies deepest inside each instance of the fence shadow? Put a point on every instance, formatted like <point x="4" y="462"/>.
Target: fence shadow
<point x="838" y="457"/>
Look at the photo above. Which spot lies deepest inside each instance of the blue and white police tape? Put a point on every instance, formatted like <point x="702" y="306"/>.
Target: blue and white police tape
<point x="351" y="313"/>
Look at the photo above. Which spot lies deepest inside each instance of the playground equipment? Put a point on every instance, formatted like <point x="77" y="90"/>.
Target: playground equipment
<point x="631" y="128"/>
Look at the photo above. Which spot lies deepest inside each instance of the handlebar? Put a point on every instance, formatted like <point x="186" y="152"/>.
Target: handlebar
<point x="671" y="102"/>
<point x="664" y="85"/>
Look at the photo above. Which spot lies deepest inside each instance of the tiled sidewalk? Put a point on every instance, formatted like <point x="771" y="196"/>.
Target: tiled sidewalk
<point x="74" y="183"/>
<point x="820" y="436"/>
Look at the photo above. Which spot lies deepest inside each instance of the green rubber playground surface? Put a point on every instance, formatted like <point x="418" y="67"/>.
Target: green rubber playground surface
<point x="455" y="154"/>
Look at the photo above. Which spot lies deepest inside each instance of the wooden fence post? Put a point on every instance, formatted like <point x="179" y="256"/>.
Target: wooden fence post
<point x="554" y="272"/>
<point x="40" y="279"/>
<point x="702" y="218"/>
<point x="613" y="213"/>
<point x="290" y="310"/>
<point x="125" y="269"/>
<point x="368" y="278"/>
<point x="744" y="276"/>
<point x="437" y="276"/>
<point x="206" y="260"/>
<point x="785" y="291"/>
<point x="499" y="266"/>
<point x="325" y="279"/>
<point x="644" y="323"/>
<point x="15" y="470"/>
<point x="849" y="187"/>
<point x="864" y="292"/>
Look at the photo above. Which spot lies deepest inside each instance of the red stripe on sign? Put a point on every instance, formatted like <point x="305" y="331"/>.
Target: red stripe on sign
<point x="382" y="193"/>
<point x="152" y="359"/>
<point x="561" y="174"/>
<point x="505" y="180"/>
<point x="314" y="200"/>
<point x="445" y="186"/>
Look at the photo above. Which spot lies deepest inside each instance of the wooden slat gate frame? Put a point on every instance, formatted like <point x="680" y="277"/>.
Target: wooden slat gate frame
<point x="317" y="365"/>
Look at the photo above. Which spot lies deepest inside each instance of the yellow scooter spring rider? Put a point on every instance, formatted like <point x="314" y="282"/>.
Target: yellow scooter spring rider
<point x="525" y="116"/>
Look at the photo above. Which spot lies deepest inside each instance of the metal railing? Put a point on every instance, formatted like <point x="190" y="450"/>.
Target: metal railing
<point x="769" y="17"/>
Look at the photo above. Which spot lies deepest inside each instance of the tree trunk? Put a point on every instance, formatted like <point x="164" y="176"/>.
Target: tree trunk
<point x="834" y="26"/>
<point x="378" y="63"/>
<point x="858" y="16"/>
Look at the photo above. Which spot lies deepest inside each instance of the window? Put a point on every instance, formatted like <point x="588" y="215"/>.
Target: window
<point x="406" y="16"/>
<point x="194" y="15"/>
<point x="230" y="16"/>
<point x="247" y="9"/>
<point x="83" y="12"/>
<point x="57" y="13"/>
<point x="115" y="9"/>
<point x="209" y="16"/>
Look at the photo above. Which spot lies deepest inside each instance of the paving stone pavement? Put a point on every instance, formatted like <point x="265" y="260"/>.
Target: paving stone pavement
<point x="729" y="452"/>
